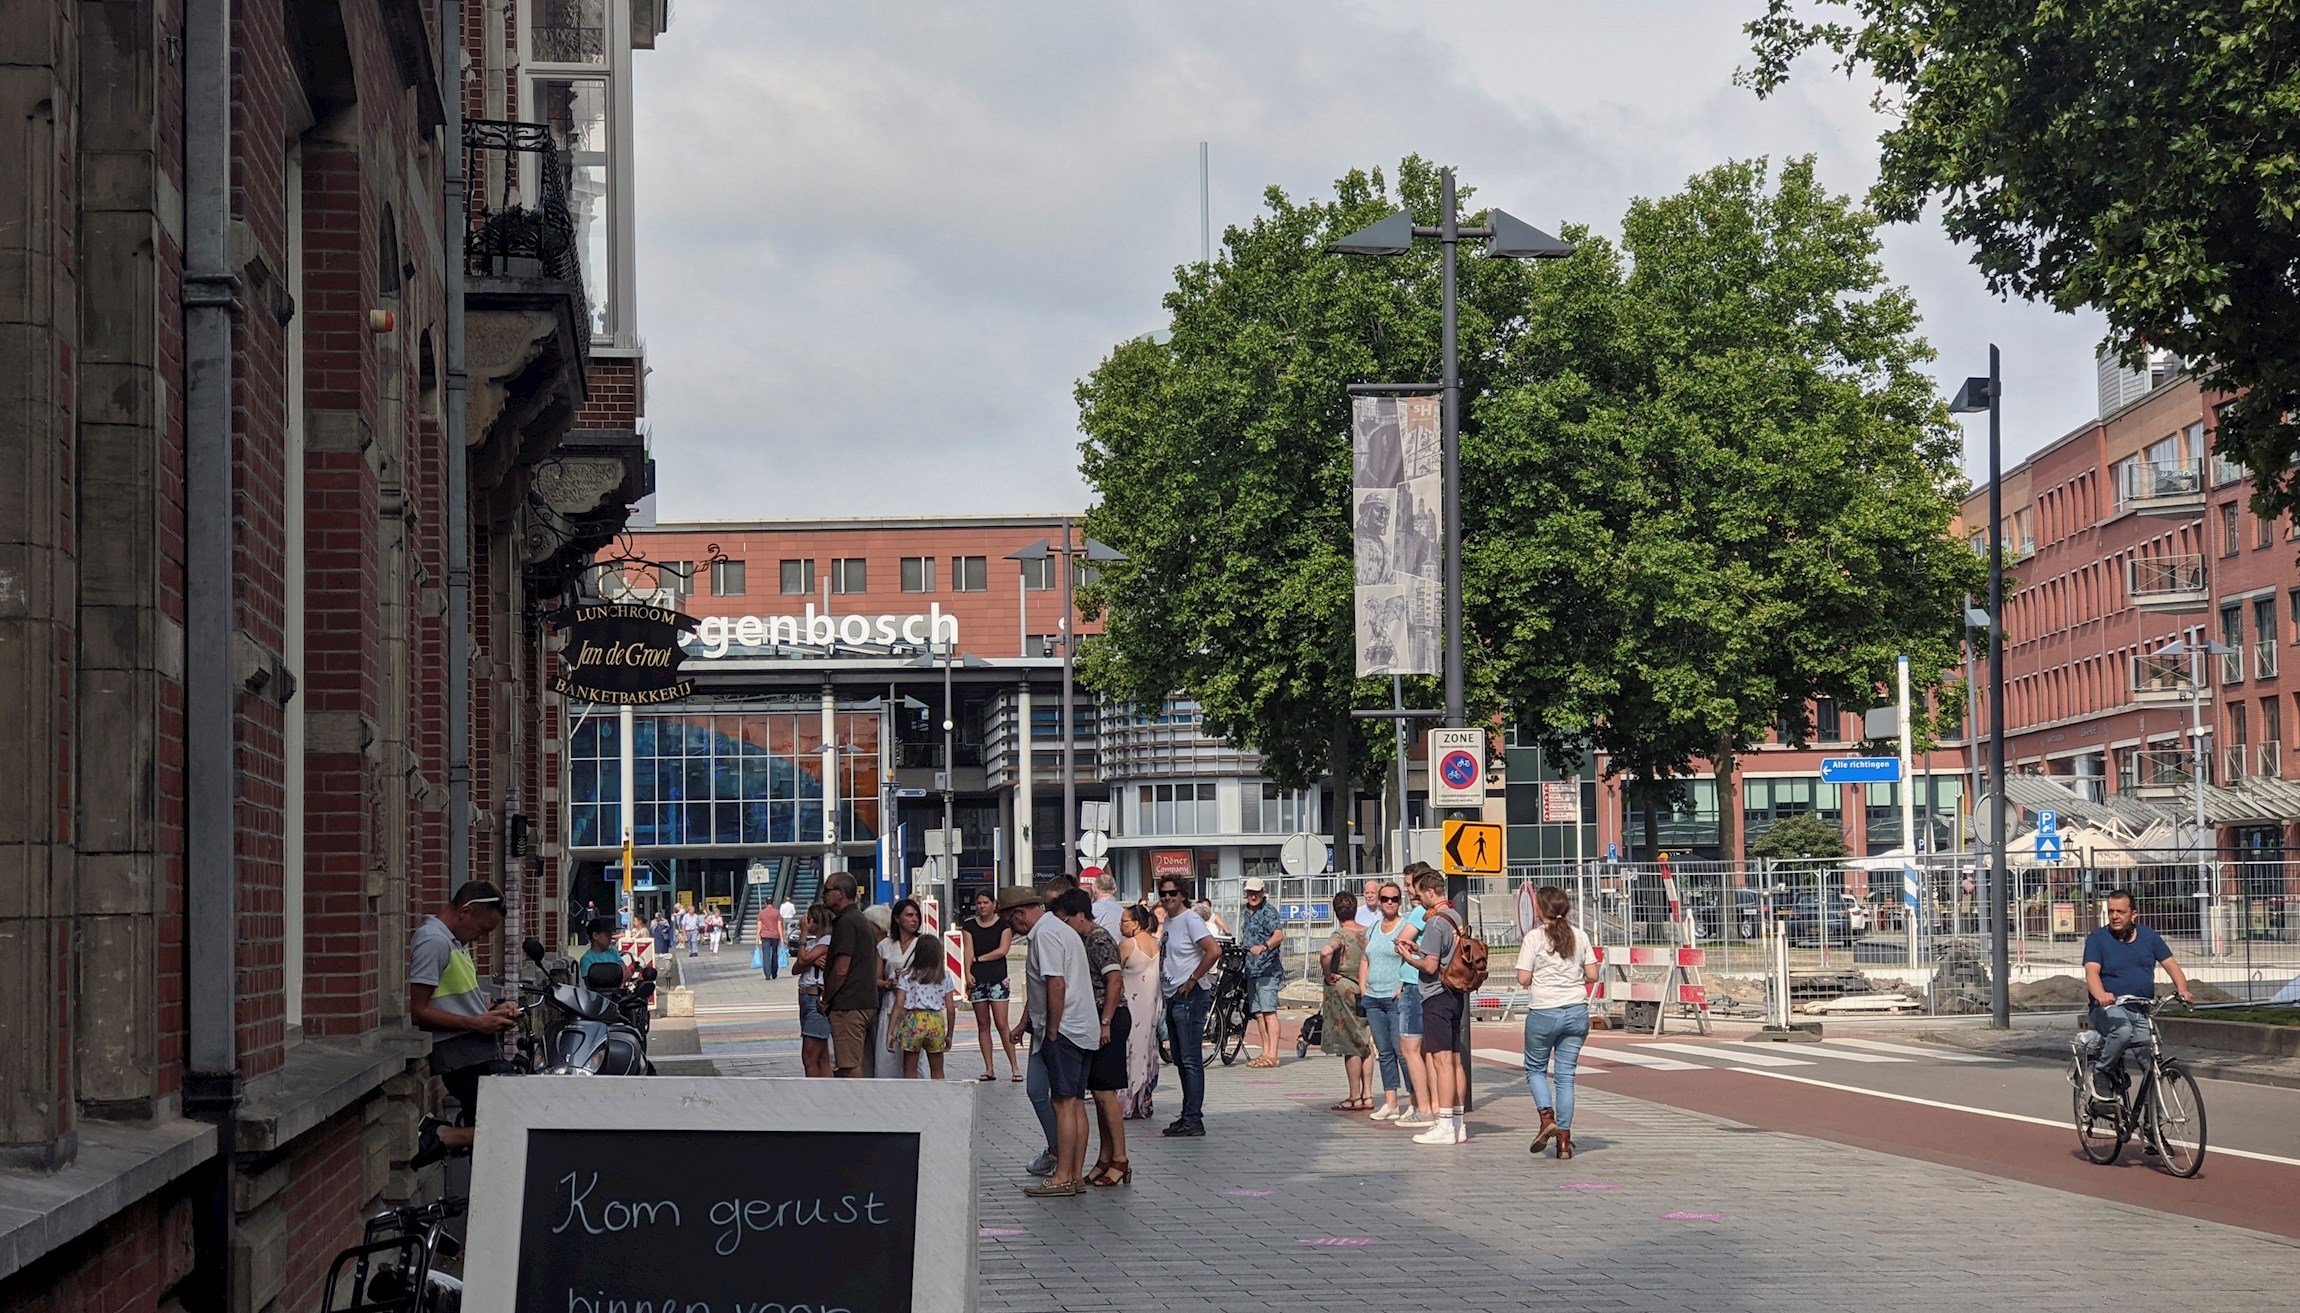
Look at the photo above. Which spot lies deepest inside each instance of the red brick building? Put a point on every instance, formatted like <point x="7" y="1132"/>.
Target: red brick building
<point x="321" y="384"/>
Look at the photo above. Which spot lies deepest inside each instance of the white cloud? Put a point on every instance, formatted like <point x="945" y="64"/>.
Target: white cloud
<point x="878" y="244"/>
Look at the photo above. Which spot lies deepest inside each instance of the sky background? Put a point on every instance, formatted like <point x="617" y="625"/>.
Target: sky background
<point x="880" y="243"/>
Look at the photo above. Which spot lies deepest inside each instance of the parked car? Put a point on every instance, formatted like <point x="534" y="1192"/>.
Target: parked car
<point x="1808" y="925"/>
<point x="1749" y="913"/>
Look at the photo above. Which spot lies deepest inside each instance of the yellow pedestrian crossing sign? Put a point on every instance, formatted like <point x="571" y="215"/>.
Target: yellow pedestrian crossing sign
<point x="1473" y="848"/>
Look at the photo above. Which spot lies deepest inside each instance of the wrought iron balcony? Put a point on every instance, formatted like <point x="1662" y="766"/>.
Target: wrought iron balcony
<point x="506" y="236"/>
<point x="2167" y="584"/>
<point x="2158" y="773"/>
<point x="2161" y="487"/>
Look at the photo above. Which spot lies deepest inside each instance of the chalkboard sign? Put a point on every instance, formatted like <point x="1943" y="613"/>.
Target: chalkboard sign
<point x="680" y="1195"/>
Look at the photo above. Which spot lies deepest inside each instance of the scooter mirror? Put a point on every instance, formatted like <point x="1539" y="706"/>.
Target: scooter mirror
<point x="533" y="947"/>
<point x="647" y="973"/>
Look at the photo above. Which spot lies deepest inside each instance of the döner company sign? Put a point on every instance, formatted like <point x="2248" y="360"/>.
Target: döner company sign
<point x="623" y="654"/>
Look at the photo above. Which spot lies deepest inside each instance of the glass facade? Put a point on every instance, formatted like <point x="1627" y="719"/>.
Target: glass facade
<point x="752" y="777"/>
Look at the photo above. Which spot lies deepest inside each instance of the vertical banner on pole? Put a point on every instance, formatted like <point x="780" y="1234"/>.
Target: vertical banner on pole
<point x="1397" y="532"/>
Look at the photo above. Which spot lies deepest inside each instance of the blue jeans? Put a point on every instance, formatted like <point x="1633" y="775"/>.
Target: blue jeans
<point x="1558" y="1031"/>
<point x="1382" y="1019"/>
<point x="1186" y="1023"/>
<point x="1040" y="1087"/>
<point x="2119" y="1029"/>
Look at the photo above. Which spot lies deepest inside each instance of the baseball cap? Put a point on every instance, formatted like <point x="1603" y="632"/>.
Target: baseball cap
<point x="1254" y="885"/>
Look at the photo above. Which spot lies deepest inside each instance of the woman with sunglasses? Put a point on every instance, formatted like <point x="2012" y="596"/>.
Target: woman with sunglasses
<point x="1393" y="1011"/>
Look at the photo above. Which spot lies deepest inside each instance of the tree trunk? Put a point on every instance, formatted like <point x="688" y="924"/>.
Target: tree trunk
<point x="1649" y="794"/>
<point x="1722" y="767"/>
<point x="1338" y="824"/>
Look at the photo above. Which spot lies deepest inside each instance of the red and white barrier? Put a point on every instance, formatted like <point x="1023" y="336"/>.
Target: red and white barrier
<point x="953" y="952"/>
<point x="1682" y="985"/>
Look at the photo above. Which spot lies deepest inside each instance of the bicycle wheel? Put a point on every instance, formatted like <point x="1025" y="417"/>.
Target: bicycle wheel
<point x="1234" y="1028"/>
<point x="2176" y="1121"/>
<point x="2096" y="1131"/>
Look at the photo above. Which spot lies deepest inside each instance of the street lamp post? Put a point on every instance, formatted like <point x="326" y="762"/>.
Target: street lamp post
<point x="1978" y="394"/>
<point x="1097" y="553"/>
<point x="2196" y="648"/>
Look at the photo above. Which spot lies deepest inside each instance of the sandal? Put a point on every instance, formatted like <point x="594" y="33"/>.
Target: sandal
<point x="988" y="1075"/>
<point x="1118" y="1172"/>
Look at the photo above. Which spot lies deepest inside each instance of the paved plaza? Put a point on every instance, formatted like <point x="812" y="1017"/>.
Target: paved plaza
<point x="1285" y="1205"/>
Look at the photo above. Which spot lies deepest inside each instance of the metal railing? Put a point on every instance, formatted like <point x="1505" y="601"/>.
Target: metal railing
<point x="507" y="237"/>
<point x="2272" y="759"/>
<point x="2232" y="665"/>
<point x="2158" y="768"/>
<point x="2162" y="679"/>
<point x="2264" y="659"/>
<point x="2235" y="763"/>
<point x="2144" y="480"/>
<point x="2155" y="577"/>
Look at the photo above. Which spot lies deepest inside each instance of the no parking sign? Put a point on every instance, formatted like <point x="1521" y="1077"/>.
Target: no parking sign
<point x="1457" y="768"/>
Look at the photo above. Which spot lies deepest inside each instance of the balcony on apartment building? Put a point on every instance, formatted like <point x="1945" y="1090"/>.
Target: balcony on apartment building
<point x="2163" y="681"/>
<point x="2175" y="487"/>
<point x="2235" y="763"/>
<point x="2264" y="659"/>
<point x="2158" y="774"/>
<point x="2167" y="585"/>
<point x="2268" y="760"/>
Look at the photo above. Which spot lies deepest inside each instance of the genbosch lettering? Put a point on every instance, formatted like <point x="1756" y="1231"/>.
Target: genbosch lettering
<point x="715" y="635"/>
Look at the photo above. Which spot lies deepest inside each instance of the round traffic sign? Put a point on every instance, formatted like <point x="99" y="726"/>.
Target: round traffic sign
<point x="1303" y="854"/>
<point x="1459" y="769"/>
<point x="1092" y="844"/>
<point x="1526" y="915"/>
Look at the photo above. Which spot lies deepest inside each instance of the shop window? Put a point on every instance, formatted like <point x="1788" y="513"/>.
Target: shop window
<point x="726" y="578"/>
<point x="798" y="578"/>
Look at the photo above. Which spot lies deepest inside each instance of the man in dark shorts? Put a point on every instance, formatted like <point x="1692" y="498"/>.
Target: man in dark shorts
<point x="1068" y="1030"/>
<point x="1445" y="1037"/>
<point x="850" y="984"/>
<point x="444" y="998"/>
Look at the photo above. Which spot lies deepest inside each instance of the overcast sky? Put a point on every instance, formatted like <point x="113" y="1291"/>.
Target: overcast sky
<point x="879" y="243"/>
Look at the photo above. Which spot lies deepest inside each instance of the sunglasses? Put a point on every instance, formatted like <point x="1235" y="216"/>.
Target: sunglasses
<point x="1388" y="898"/>
<point x="1169" y="893"/>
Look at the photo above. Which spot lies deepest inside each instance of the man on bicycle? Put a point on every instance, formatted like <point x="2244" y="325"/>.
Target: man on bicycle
<point x="2120" y="959"/>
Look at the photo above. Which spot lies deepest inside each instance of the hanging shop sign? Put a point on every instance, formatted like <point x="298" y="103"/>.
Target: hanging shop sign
<point x="623" y="654"/>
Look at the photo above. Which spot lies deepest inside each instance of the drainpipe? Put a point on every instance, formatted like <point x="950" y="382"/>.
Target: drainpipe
<point x="458" y="465"/>
<point x="211" y="627"/>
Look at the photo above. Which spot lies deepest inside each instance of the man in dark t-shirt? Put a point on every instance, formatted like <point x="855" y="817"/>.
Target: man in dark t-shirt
<point x="2120" y="961"/>
<point x="850" y="986"/>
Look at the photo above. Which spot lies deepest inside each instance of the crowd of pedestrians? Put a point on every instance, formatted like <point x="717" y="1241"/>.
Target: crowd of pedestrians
<point x="1105" y="983"/>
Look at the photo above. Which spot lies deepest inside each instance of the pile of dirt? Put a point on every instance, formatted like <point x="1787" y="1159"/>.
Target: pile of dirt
<point x="2065" y="993"/>
<point x="1741" y="989"/>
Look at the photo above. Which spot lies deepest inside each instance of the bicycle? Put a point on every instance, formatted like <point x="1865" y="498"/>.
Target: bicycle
<point x="1226" y="1020"/>
<point x="394" y="1268"/>
<point x="2164" y="1107"/>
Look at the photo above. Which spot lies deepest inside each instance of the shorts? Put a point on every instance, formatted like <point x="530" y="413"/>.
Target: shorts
<point x="1108" y="1069"/>
<point x="812" y="1023"/>
<point x="1410" y="1010"/>
<point x="1066" y="1066"/>
<point x="1441" y="1020"/>
<point x="994" y="991"/>
<point x="1262" y="994"/>
<point x="850" y="1037"/>
<point x="919" y="1031"/>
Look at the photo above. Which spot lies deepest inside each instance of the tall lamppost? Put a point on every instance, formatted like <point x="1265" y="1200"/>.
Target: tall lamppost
<point x="949" y="863"/>
<point x="1505" y="237"/>
<point x="2196" y="648"/>
<point x="1976" y="395"/>
<point x="1096" y="553"/>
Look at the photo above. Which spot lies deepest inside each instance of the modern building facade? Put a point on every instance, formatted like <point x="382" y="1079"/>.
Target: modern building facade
<point x="322" y="384"/>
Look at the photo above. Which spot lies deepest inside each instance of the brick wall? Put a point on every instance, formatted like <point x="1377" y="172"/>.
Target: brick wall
<point x="618" y="393"/>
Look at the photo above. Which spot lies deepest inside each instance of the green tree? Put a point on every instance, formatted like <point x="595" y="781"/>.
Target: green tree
<point x="2141" y="157"/>
<point x="1720" y="489"/>
<point x="1221" y="463"/>
<point x="1804" y="835"/>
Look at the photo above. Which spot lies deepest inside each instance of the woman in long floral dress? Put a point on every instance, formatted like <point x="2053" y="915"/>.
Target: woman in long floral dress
<point x="1138" y="959"/>
<point x="1346" y="1034"/>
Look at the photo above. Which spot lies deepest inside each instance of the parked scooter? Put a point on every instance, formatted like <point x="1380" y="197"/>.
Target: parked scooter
<point x="591" y="1032"/>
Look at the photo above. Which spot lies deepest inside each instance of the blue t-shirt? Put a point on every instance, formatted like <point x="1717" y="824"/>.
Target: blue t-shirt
<point x="2127" y="968"/>
<point x="1257" y="927"/>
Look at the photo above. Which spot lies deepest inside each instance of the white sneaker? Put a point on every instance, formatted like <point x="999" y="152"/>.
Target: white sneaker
<point x="1441" y="1133"/>
<point x="1388" y="1112"/>
<point x="1416" y="1117"/>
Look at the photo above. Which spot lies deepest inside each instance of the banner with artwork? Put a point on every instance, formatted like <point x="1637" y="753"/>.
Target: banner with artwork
<point x="1396" y="518"/>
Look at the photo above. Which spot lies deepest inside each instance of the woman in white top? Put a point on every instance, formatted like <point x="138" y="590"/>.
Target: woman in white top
<point x="1556" y="967"/>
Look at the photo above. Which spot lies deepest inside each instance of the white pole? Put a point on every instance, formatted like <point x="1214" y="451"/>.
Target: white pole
<point x="832" y="860"/>
<point x="1912" y="896"/>
<point x="630" y="804"/>
<point x="1025" y="790"/>
<point x="2204" y="936"/>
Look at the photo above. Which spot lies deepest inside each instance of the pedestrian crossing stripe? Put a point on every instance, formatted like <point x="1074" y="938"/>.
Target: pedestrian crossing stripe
<point x="1597" y="1060"/>
<point x="1752" y="1058"/>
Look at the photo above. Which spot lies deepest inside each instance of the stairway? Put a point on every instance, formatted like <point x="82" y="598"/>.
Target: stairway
<point x="803" y="882"/>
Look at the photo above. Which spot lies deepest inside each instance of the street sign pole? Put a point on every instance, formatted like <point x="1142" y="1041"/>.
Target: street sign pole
<point x="1912" y="887"/>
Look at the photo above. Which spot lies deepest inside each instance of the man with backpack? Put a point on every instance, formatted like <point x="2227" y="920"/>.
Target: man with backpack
<point x="1451" y="963"/>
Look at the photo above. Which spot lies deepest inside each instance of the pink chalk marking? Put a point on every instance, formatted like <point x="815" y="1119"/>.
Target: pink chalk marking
<point x="1246" y="1194"/>
<point x="1590" y="1185"/>
<point x="999" y="1232"/>
<point x="1265" y="1082"/>
<point x="1340" y="1241"/>
<point x="1693" y="1217"/>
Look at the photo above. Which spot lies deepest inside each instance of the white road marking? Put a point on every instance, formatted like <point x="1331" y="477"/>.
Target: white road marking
<point x="2065" y="1124"/>
<point x="1829" y="1049"/>
<point x="1637" y="1059"/>
<point x="1915" y="1051"/>
<point x="1508" y="1059"/>
<point x="1752" y="1058"/>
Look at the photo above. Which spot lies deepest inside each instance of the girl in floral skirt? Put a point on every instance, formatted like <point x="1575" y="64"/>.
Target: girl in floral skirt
<point x="928" y="1002"/>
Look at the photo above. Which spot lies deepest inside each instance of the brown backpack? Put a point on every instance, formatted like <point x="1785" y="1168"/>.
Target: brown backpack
<point x="1466" y="969"/>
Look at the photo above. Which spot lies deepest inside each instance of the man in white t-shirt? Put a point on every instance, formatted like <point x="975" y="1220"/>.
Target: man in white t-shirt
<point x="1065" y="1027"/>
<point x="1188" y="952"/>
<point x="1368" y="901"/>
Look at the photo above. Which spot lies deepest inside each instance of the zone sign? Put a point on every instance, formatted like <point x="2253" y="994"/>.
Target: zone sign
<point x="1457" y="767"/>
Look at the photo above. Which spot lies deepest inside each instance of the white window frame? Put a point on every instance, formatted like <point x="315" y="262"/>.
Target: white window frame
<point x="621" y="335"/>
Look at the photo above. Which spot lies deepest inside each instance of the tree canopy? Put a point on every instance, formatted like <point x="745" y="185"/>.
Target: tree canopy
<point x="1804" y="835"/>
<point x="1718" y="487"/>
<point x="2141" y="157"/>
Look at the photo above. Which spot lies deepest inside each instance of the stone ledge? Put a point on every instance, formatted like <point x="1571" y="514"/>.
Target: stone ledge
<point x="318" y="1081"/>
<point x="118" y="1164"/>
